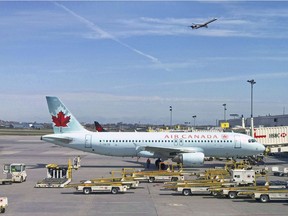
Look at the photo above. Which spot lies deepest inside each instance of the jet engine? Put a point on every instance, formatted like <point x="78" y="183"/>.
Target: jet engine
<point x="189" y="159"/>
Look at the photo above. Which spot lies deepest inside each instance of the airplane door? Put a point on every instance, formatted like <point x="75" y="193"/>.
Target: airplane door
<point x="88" y="141"/>
<point x="237" y="142"/>
<point x="178" y="142"/>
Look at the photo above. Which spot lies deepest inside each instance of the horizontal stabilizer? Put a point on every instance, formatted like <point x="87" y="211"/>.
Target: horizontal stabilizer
<point x="57" y="140"/>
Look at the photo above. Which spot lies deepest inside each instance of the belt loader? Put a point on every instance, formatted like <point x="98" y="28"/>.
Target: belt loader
<point x="125" y="180"/>
<point x="169" y="174"/>
<point x="57" y="176"/>
<point x="265" y="196"/>
<point x="89" y="187"/>
<point x="196" y="186"/>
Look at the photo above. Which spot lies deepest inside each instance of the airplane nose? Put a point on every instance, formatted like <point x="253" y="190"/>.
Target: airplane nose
<point x="261" y="148"/>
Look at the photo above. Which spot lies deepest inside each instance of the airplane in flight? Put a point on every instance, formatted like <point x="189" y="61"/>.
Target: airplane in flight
<point x="188" y="148"/>
<point x="196" y="26"/>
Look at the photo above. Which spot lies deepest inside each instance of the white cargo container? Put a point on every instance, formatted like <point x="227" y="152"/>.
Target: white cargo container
<point x="243" y="177"/>
<point x="276" y="138"/>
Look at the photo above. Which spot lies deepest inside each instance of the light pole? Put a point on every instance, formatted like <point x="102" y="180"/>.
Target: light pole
<point x="170" y="117"/>
<point x="224" y="105"/>
<point x="194" y="117"/>
<point x="252" y="82"/>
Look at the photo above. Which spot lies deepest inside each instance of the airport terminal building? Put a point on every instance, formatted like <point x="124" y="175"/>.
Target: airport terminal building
<point x="260" y="121"/>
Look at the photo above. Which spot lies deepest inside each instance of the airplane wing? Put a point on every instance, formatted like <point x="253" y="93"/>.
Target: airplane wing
<point x="169" y="152"/>
<point x="209" y="21"/>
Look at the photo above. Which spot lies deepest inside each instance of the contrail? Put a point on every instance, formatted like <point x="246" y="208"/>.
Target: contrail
<point x="105" y="34"/>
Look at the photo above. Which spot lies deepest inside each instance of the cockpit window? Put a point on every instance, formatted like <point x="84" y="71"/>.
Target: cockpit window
<point x="252" y="141"/>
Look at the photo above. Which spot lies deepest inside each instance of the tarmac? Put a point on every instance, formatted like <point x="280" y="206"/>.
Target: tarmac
<point x="148" y="199"/>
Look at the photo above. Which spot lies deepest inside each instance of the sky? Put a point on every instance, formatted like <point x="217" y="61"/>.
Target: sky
<point x="129" y="61"/>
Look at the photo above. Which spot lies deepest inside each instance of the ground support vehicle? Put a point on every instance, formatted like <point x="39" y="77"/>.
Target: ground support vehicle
<point x="119" y="176"/>
<point x="15" y="172"/>
<point x="213" y="174"/>
<point x="3" y="204"/>
<point x="195" y="186"/>
<point x="52" y="183"/>
<point x="6" y="181"/>
<point x="201" y="188"/>
<point x="187" y="190"/>
<point x="129" y="183"/>
<point x="233" y="192"/>
<point x="89" y="187"/>
<point x="243" y="177"/>
<point x="215" y="186"/>
<point x="278" y="172"/>
<point x="57" y="176"/>
<point x="158" y="177"/>
<point x="267" y="195"/>
<point x="243" y="180"/>
<point x="155" y="175"/>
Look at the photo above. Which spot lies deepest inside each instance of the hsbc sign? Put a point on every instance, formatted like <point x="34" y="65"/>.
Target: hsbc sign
<point x="277" y="135"/>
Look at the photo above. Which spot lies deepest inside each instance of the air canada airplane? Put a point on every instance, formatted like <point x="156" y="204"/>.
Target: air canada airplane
<point x="188" y="148"/>
<point x="196" y="26"/>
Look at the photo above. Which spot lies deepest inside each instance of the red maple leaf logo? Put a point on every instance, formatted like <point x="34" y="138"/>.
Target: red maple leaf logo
<point x="61" y="120"/>
<point x="225" y="136"/>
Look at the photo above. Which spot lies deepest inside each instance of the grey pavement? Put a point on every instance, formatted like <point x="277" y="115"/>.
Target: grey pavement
<point x="26" y="200"/>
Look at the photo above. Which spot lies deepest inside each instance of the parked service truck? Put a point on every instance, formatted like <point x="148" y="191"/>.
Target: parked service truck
<point x="15" y="172"/>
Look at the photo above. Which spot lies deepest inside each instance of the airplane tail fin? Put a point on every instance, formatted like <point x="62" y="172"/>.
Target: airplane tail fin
<point x="62" y="119"/>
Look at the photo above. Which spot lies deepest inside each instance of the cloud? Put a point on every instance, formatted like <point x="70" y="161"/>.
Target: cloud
<point x="228" y="79"/>
<point x="105" y="35"/>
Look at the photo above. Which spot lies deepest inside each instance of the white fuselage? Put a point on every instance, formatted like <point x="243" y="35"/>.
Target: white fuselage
<point x="129" y="144"/>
